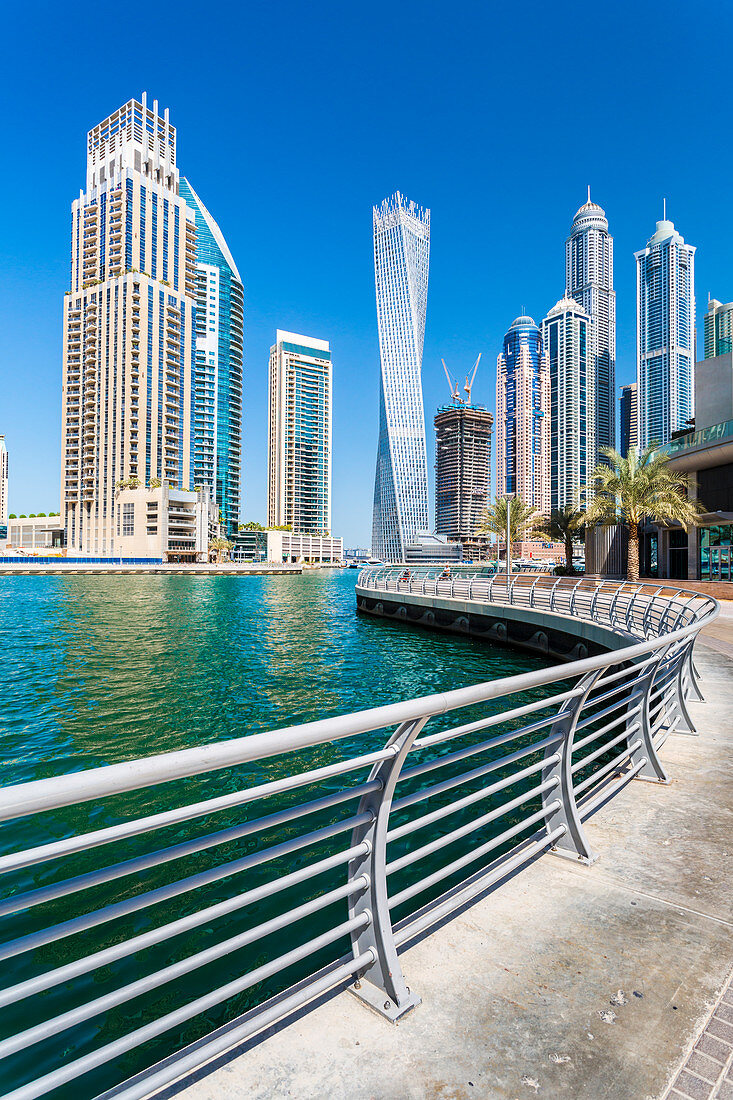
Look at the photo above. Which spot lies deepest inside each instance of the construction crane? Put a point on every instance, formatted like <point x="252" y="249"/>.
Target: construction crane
<point x="455" y="389"/>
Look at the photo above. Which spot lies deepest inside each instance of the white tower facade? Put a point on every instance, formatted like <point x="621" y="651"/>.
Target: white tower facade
<point x="401" y="264"/>
<point x="589" y="282"/>
<point x="665" y="334"/>
<point x="3" y="483"/>
<point x="299" y="434"/>
<point x="128" y="326"/>
<point x="567" y="338"/>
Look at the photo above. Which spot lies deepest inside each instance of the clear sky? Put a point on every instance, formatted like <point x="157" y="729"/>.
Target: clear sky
<point x="295" y="117"/>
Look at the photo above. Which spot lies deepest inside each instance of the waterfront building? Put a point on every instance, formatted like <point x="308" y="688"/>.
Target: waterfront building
<point x="401" y="263"/>
<point x="3" y="486"/>
<point x="293" y="546"/>
<point x="629" y="417"/>
<point x="566" y="336"/>
<point x="128" y="326"/>
<point x="218" y="366"/>
<point x="523" y="416"/>
<point x="165" y="523"/>
<point x="299" y="432"/>
<point x="427" y="547"/>
<point x="37" y="535"/>
<point x="665" y="334"/>
<point x="589" y="282"/>
<point x="718" y="328"/>
<point x="462" y="473"/>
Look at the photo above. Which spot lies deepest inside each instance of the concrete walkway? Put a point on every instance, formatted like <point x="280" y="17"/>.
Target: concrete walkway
<point x="568" y="982"/>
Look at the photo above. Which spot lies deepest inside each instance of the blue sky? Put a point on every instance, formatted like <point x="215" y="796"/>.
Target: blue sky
<point x="294" y="118"/>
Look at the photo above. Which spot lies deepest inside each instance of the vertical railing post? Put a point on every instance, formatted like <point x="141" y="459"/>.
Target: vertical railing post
<point x="559" y="801"/>
<point x="382" y="985"/>
<point x="639" y="727"/>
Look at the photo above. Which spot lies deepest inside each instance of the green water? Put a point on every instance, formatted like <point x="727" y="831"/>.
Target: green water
<point x="101" y="669"/>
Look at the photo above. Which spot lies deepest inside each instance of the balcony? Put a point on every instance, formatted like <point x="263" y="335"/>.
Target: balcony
<point x="711" y="446"/>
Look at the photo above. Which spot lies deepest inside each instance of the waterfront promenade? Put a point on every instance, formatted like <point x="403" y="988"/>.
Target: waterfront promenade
<point x="568" y="981"/>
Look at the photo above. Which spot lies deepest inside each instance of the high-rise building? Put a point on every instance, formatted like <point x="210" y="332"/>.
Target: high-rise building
<point x="128" y="326"/>
<point x="589" y="282"/>
<point x="218" y="364"/>
<point x="629" y="416"/>
<point x="462" y="470"/>
<point x="299" y="426"/>
<point x="718" y="328"/>
<point x="401" y="262"/>
<point x="665" y="334"/>
<point x="567" y="338"/>
<point x="523" y="416"/>
<point x="3" y="486"/>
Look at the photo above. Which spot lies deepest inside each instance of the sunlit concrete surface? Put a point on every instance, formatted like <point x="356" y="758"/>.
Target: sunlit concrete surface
<point x="569" y="981"/>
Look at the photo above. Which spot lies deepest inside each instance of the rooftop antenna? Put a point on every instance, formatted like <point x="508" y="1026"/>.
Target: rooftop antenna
<point x="665" y="208"/>
<point x="454" y="388"/>
<point x="469" y="385"/>
<point x="589" y="194"/>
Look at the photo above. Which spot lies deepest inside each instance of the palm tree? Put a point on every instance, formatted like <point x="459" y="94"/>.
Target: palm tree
<point x="626" y="490"/>
<point x="522" y="518"/>
<point x="563" y="524"/>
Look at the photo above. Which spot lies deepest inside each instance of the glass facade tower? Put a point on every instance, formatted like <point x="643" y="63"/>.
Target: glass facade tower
<point x="523" y="416"/>
<point x="401" y="262"/>
<point x="218" y="366"/>
<point x="665" y="334"/>
<point x="566" y="336"/>
<point x="718" y="328"/>
<point x="629" y="410"/>
<point x="589" y="282"/>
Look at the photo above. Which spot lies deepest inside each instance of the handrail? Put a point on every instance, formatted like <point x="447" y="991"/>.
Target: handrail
<point x="330" y="852"/>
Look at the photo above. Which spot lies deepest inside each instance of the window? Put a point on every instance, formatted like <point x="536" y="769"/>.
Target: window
<point x="128" y="519"/>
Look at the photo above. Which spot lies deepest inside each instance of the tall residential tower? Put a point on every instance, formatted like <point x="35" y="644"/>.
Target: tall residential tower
<point x="629" y="416"/>
<point x="299" y="433"/>
<point x="217" y="388"/>
<point x="523" y="416"/>
<point x="665" y="334"/>
<point x="3" y="486"/>
<point x="718" y="328"/>
<point x="401" y="261"/>
<point x="128" y="326"/>
<point x="589" y="282"/>
<point x="566" y="334"/>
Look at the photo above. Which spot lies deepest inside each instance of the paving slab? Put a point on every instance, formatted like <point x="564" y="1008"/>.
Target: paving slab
<point x="568" y="981"/>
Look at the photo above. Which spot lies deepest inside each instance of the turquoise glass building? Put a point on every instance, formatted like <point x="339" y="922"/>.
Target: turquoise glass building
<point x="218" y="366"/>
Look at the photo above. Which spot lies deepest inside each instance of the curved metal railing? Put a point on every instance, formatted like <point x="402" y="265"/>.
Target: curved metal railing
<point x="128" y="931"/>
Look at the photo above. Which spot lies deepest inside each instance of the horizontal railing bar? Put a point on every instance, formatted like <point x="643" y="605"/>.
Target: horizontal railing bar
<point x="607" y="767"/>
<point x="470" y="857"/>
<point x="227" y="1038"/>
<point x="107" y="1001"/>
<point x="636" y="692"/>
<point x="577" y="745"/>
<point x="177" y="851"/>
<point x="484" y="792"/>
<point x="165" y="932"/>
<point x="465" y="830"/>
<point x="413" y="927"/>
<point x="631" y="670"/>
<point x="475" y="773"/>
<point x="473" y="750"/>
<point x="595" y="700"/>
<point x="69" y="1071"/>
<point x="84" y="841"/>
<point x="175" y="889"/>
<point x="586" y="760"/>
<point x="609" y="791"/>
<point x="496" y="719"/>
<point x="24" y="799"/>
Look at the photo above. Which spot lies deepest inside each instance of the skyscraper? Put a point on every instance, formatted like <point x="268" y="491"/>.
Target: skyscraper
<point x="3" y="487"/>
<point x="462" y="470"/>
<point x="523" y="416"/>
<point x="589" y="282"/>
<point x="718" y="328"/>
<point x="128" y="325"/>
<point x="401" y="261"/>
<point x="217" y="388"/>
<point x="665" y="334"/>
<point x="566" y="336"/>
<point x="299" y="430"/>
<point x="629" y="410"/>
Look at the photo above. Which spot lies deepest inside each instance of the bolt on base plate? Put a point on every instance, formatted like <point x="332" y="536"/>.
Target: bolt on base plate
<point x="377" y="1000"/>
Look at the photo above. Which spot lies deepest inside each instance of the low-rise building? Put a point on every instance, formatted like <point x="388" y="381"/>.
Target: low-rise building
<point x="250" y="545"/>
<point x="35" y="535"/>
<point x="172" y="524"/>
<point x="291" y="546"/>
<point x="432" y="548"/>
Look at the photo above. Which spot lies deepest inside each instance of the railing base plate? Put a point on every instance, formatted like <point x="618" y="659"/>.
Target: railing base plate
<point x="565" y="853"/>
<point x="377" y="1000"/>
